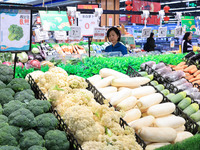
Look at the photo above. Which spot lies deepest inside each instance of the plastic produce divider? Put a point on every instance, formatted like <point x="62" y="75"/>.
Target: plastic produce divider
<point x="62" y="126"/>
<point x="100" y="99"/>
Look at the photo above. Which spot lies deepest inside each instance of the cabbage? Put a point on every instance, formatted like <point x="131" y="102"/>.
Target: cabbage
<point x="23" y="57"/>
<point x="35" y="50"/>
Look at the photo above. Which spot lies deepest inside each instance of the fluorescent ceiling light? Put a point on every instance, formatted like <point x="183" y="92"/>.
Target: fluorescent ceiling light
<point x="170" y="2"/>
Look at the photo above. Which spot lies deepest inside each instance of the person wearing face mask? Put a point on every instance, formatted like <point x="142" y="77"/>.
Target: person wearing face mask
<point x="114" y="36"/>
<point x="186" y="43"/>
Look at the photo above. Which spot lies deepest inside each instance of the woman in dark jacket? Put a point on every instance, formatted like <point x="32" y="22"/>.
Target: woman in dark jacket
<point x="186" y="43"/>
<point x="151" y="43"/>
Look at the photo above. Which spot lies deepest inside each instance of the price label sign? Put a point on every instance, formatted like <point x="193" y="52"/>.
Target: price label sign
<point x="41" y="35"/>
<point x="75" y="33"/>
<point x="178" y="31"/>
<point x="162" y="31"/>
<point x="99" y="33"/>
<point x="60" y="35"/>
<point x="172" y="44"/>
<point x="146" y="32"/>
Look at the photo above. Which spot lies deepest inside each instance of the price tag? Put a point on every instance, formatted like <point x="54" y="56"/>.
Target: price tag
<point x="99" y="33"/>
<point x="60" y="35"/>
<point x="41" y="35"/>
<point x="75" y="33"/>
<point x="162" y="31"/>
<point x="146" y="32"/>
<point x="178" y="31"/>
<point x="172" y="43"/>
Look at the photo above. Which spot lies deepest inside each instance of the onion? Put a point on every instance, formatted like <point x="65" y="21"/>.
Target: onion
<point x="35" y="64"/>
<point x="7" y="63"/>
<point x="20" y="64"/>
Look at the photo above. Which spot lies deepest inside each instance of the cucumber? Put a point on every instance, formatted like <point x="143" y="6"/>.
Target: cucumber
<point x="154" y="82"/>
<point x="184" y="103"/>
<point x="149" y="76"/>
<point x="165" y="92"/>
<point x="160" y="87"/>
<point x="170" y="95"/>
<point x="196" y="116"/>
<point x="143" y="73"/>
<point x="178" y="97"/>
<point x="191" y="109"/>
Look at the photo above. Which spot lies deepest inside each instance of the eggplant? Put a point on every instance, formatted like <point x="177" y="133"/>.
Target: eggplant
<point x="39" y="57"/>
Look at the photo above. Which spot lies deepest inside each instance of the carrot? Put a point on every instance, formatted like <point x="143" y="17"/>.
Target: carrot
<point x="189" y="77"/>
<point x="197" y="81"/>
<point x="172" y="66"/>
<point x="194" y="79"/>
<point x="181" y="63"/>
<point x="196" y="73"/>
<point x="189" y="68"/>
<point x="187" y="74"/>
<point x="193" y="70"/>
<point x="185" y="66"/>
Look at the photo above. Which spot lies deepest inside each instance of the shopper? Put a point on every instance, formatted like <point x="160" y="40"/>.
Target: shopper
<point x="186" y="43"/>
<point x="150" y="45"/>
<point x="113" y="35"/>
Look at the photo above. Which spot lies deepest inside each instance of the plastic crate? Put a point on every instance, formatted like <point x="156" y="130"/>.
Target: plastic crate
<point x="62" y="126"/>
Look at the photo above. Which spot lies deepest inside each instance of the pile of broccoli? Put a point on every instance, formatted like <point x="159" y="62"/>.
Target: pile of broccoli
<point x="6" y="74"/>
<point x="15" y="32"/>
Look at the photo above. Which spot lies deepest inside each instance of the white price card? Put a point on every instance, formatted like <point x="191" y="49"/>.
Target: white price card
<point x="172" y="44"/>
<point x="146" y="32"/>
<point x="75" y="33"/>
<point x="60" y="35"/>
<point x="41" y="35"/>
<point x="99" y="33"/>
<point x="178" y="31"/>
<point x="162" y="31"/>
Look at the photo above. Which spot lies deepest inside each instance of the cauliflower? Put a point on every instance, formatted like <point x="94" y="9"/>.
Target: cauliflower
<point x="77" y="82"/>
<point x="35" y="75"/>
<point x="61" y="107"/>
<point x="58" y="70"/>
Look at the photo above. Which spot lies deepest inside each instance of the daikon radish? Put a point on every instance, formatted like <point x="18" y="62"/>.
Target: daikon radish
<point x="160" y="110"/>
<point x="155" y="145"/>
<point x="104" y="82"/>
<point x="130" y="82"/>
<point x="132" y="115"/>
<point x="94" y="79"/>
<point x="121" y="88"/>
<point x="105" y="72"/>
<point x="107" y="90"/>
<point x="143" y="91"/>
<point x="149" y="100"/>
<point x="142" y="122"/>
<point x="181" y="128"/>
<point x="170" y="121"/>
<point x="127" y="103"/>
<point x="109" y="95"/>
<point x="182" y="136"/>
<point x="120" y="96"/>
<point x="157" y="134"/>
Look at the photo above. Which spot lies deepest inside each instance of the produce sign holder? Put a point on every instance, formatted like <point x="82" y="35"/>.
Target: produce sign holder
<point x="190" y="124"/>
<point x="62" y="126"/>
<point x="100" y="99"/>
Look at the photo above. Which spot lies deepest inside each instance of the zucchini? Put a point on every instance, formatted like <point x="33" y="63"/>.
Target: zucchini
<point x="178" y="97"/>
<point x="191" y="109"/>
<point x="160" y="87"/>
<point x="154" y="82"/>
<point x="184" y="103"/>
<point x="165" y="92"/>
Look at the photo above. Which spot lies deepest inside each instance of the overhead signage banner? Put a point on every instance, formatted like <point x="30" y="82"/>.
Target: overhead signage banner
<point x="189" y="22"/>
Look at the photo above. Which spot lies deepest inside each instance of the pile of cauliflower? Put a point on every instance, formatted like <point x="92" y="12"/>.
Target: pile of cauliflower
<point x="95" y="126"/>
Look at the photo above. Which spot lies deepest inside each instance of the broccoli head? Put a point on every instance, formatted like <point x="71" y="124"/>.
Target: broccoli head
<point x="15" y="32"/>
<point x="38" y="107"/>
<point x="6" y="95"/>
<point x="19" y="84"/>
<point x="46" y="122"/>
<point x="30" y="138"/>
<point x="1" y="109"/>
<point x="22" y="118"/>
<point x="9" y="148"/>
<point x="3" y="119"/>
<point x="6" y="73"/>
<point x="12" y="106"/>
<point x="7" y="139"/>
<point x="2" y="124"/>
<point x="36" y="147"/>
<point x="56" y="140"/>
<point x="24" y="97"/>
<point x="12" y="130"/>
<point x="2" y="85"/>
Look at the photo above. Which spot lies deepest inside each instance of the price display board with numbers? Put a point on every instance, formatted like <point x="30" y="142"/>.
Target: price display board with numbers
<point x="75" y="33"/>
<point x="162" y="31"/>
<point x="178" y="31"/>
<point x="99" y="33"/>
<point x="146" y="32"/>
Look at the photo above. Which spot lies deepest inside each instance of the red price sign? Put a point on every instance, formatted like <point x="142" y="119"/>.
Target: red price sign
<point x="99" y="33"/>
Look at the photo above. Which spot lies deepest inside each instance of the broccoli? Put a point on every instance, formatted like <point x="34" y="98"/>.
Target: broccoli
<point x="6" y="73"/>
<point x="12" y="106"/>
<point x="56" y="140"/>
<point x="6" y="95"/>
<point x="3" y="124"/>
<point x="9" y="148"/>
<point x="36" y="147"/>
<point x="2" y="85"/>
<point x="15" y="32"/>
<point x="24" y="97"/>
<point x="1" y="109"/>
<point x="3" y="119"/>
<point x="7" y="139"/>
<point x="19" y="84"/>
<point x="45" y="122"/>
<point x="22" y="118"/>
<point x="38" y="107"/>
<point x="29" y="91"/>
<point x="30" y="138"/>
<point x="13" y="130"/>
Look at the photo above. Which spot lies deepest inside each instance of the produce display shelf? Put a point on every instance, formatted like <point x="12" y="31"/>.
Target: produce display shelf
<point x="190" y="124"/>
<point x="62" y="126"/>
<point x="100" y="99"/>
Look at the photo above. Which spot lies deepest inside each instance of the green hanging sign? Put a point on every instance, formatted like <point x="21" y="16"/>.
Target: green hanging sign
<point x="189" y="22"/>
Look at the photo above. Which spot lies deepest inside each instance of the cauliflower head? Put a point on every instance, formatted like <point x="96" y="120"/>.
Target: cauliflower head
<point x="35" y="75"/>
<point x="57" y="70"/>
<point x="76" y="82"/>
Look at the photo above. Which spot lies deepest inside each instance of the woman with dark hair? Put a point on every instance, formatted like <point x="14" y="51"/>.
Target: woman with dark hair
<point x="150" y="45"/>
<point x="114" y="37"/>
<point x="186" y="43"/>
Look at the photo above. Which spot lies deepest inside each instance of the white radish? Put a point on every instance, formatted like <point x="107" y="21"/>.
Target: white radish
<point x="142" y="122"/>
<point x="170" y="121"/>
<point x="182" y="136"/>
<point x="121" y="88"/>
<point x="94" y="79"/>
<point x="127" y="103"/>
<point x="132" y="115"/>
<point x="105" y="72"/>
<point x="104" y="82"/>
<point x="160" y="110"/>
<point x="181" y="128"/>
<point x="149" y="100"/>
<point x="143" y="91"/>
<point x="120" y="96"/>
<point x="109" y="95"/>
<point x="155" y="145"/>
<point x="157" y="134"/>
<point x="107" y="90"/>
